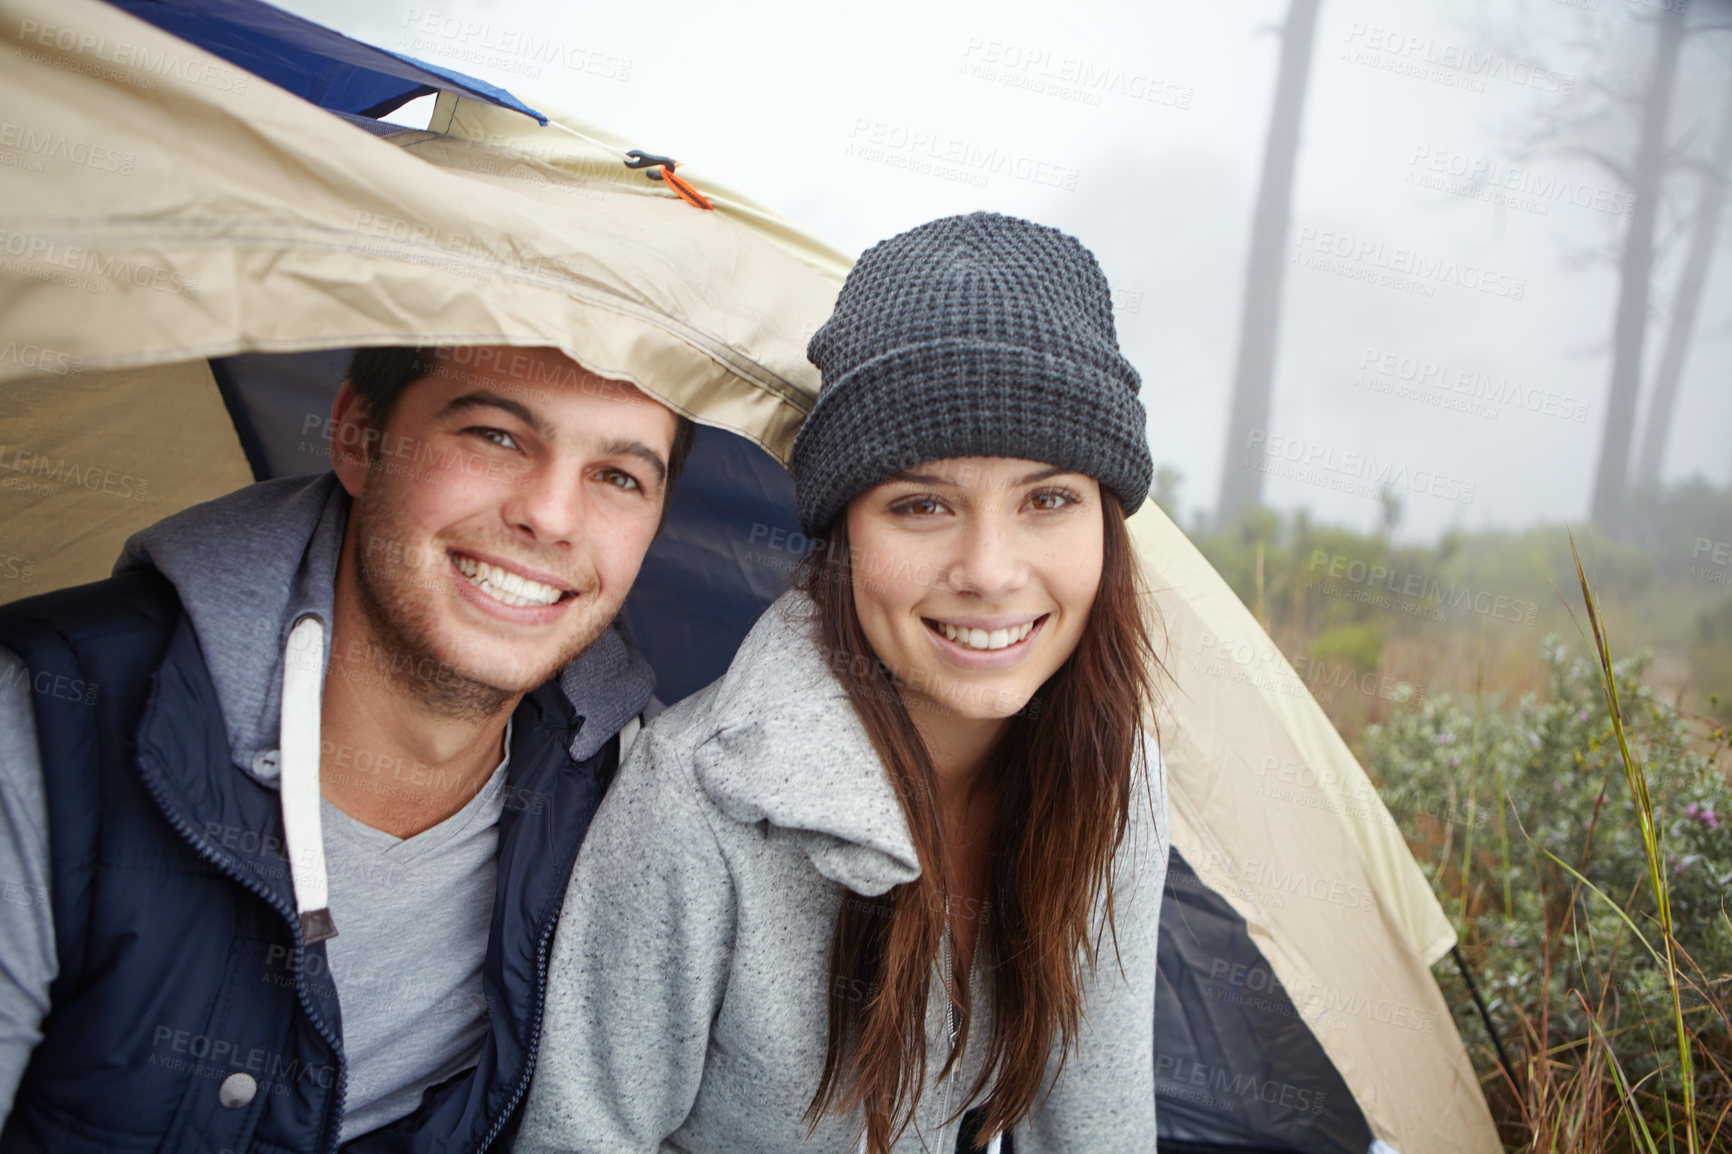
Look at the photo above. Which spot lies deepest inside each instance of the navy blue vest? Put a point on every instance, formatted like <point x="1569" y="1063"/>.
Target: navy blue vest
<point x="181" y="963"/>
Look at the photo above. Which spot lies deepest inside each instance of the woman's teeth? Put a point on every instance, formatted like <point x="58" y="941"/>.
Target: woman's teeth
<point x="506" y="587"/>
<point x="985" y="639"/>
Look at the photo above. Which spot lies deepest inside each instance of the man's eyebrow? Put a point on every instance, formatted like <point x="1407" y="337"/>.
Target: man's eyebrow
<point x="931" y="479"/>
<point x="643" y="452"/>
<point x="486" y="398"/>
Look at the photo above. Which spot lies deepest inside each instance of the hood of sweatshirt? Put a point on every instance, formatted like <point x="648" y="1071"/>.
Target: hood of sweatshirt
<point x="248" y="565"/>
<point x="786" y="747"/>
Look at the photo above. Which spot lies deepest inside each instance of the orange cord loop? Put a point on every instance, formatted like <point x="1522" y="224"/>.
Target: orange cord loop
<point x="662" y="168"/>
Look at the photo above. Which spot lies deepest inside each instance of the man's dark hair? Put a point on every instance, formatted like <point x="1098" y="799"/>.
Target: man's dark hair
<point x="379" y="377"/>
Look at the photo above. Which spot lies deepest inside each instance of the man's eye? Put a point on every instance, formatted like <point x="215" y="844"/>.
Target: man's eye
<point x="620" y="479"/>
<point x="498" y="436"/>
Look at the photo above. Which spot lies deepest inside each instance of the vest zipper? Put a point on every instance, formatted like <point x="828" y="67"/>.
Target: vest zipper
<point x="531" y="1051"/>
<point x="193" y="838"/>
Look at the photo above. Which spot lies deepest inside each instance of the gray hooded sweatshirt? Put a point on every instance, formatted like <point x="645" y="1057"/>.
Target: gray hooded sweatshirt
<point x="687" y="997"/>
<point x="247" y="566"/>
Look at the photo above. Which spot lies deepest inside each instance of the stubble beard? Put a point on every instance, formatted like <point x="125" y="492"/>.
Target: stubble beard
<point x="404" y="629"/>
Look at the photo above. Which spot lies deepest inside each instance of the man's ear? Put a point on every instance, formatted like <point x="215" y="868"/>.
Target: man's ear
<point x="352" y="437"/>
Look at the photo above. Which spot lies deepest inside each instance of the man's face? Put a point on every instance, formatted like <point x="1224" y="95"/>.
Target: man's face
<point x="500" y="515"/>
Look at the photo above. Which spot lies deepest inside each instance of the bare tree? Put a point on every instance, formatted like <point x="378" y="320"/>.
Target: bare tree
<point x="1242" y="487"/>
<point x="1635" y="269"/>
<point x="1711" y="194"/>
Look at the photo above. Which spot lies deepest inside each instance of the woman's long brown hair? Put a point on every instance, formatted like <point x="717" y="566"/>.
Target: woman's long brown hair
<point x="1064" y="773"/>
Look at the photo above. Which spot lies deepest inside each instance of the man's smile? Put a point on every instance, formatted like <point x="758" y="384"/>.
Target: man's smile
<point x="509" y="586"/>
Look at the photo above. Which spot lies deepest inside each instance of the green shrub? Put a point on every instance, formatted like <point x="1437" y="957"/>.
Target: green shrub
<point x="1542" y="943"/>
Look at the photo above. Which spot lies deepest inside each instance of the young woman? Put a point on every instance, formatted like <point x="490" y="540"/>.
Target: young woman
<point x="897" y="874"/>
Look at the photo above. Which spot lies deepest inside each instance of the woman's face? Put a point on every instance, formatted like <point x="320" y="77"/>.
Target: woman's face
<point x="973" y="577"/>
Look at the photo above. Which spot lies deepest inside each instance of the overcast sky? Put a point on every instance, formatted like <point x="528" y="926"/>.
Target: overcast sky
<point x="1139" y="127"/>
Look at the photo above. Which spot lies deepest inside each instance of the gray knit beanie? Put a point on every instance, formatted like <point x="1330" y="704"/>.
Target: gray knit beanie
<point x="971" y="336"/>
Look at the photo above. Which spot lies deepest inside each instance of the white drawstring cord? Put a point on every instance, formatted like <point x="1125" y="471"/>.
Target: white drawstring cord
<point x="298" y="780"/>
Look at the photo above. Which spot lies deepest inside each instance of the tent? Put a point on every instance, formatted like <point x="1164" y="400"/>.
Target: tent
<point x="201" y="214"/>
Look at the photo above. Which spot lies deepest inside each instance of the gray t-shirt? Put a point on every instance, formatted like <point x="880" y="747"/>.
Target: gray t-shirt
<point x="28" y="962"/>
<point x="412" y="917"/>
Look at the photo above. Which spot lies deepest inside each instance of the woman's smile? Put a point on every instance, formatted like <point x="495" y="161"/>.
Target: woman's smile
<point x="977" y="643"/>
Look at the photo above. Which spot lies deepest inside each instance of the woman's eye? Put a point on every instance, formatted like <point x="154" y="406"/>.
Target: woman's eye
<point x="1048" y="499"/>
<point x="919" y="506"/>
<point x="620" y="479"/>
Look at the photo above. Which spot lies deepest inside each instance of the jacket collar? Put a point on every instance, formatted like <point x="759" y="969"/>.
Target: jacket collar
<point x="250" y="564"/>
<point x="788" y="749"/>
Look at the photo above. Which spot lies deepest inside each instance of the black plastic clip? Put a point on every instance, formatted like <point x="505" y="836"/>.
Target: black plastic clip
<point x="642" y="159"/>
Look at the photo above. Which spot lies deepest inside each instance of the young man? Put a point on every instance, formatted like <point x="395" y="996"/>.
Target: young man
<point x="288" y="805"/>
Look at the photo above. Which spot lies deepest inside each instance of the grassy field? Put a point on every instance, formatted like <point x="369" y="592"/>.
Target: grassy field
<point x="1583" y="844"/>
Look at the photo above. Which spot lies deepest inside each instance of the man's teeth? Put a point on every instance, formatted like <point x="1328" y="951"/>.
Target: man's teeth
<point x="983" y="639"/>
<point x="505" y="586"/>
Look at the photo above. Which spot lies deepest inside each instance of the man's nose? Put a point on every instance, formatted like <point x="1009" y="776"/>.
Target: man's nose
<point x="548" y="503"/>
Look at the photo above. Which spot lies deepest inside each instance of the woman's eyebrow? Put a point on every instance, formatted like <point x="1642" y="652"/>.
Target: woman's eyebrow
<point x="931" y="479"/>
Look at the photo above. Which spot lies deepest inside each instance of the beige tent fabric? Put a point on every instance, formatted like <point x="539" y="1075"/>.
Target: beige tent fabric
<point x="1273" y="813"/>
<point x="73" y="489"/>
<point x="158" y="207"/>
<point x="148" y="216"/>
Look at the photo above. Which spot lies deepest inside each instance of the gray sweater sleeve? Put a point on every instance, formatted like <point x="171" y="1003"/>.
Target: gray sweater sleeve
<point x="27" y="955"/>
<point x="639" y="967"/>
<point x="1105" y="1099"/>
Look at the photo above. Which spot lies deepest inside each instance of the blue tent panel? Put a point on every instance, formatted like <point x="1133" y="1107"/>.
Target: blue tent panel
<point x="314" y="62"/>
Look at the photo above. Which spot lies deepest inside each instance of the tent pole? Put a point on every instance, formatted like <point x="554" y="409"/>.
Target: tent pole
<point x="1484" y="1014"/>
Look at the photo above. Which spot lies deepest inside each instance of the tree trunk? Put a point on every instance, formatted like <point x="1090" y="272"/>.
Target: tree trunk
<point x="1635" y="267"/>
<point x="1241" y="481"/>
<point x="1690" y="285"/>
